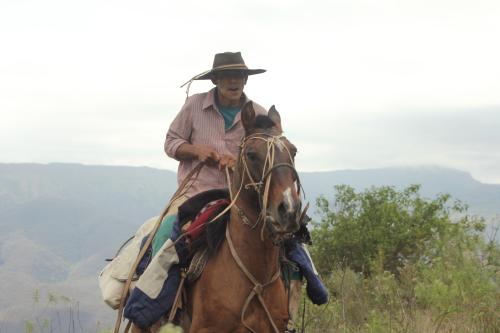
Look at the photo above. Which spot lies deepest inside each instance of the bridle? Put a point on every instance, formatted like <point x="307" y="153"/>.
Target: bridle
<point x="262" y="188"/>
<point x="263" y="185"/>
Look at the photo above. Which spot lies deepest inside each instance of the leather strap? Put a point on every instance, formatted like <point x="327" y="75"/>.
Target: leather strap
<point x="257" y="288"/>
<point x="176" y="305"/>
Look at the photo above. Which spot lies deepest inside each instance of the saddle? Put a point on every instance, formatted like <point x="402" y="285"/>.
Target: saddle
<point x="192" y="206"/>
<point x="200" y="209"/>
<point x="203" y="238"/>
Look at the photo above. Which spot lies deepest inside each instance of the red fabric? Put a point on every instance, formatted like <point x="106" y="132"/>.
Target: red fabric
<point x="205" y="215"/>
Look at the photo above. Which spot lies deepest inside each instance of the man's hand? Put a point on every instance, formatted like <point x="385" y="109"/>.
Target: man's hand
<point x="207" y="154"/>
<point x="226" y="161"/>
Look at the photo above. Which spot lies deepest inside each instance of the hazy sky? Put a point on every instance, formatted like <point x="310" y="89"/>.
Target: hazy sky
<point x="359" y="84"/>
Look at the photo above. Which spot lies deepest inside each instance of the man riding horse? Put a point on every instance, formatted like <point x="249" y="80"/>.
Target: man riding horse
<point x="208" y="129"/>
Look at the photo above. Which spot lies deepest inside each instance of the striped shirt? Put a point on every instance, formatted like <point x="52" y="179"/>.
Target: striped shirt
<point x="200" y="122"/>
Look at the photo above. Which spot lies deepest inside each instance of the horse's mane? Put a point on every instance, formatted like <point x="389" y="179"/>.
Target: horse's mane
<point x="264" y="122"/>
<point x="212" y="236"/>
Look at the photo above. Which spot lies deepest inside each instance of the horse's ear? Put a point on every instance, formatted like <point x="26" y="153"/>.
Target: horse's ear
<point x="274" y="115"/>
<point x="248" y="117"/>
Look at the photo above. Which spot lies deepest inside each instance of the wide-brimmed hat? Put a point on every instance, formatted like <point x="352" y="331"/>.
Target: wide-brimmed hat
<point x="227" y="61"/>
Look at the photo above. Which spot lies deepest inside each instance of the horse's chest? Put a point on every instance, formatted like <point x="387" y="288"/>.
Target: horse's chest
<point x="224" y="293"/>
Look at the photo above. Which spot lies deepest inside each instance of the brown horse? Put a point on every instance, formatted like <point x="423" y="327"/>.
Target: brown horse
<point x="240" y="289"/>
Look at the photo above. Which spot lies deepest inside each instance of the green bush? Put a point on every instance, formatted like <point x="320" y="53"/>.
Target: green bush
<point x="396" y="262"/>
<point x="394" y="227"/>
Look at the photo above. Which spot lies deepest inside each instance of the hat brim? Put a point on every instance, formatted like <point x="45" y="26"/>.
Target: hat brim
<point x="210" y="74"/>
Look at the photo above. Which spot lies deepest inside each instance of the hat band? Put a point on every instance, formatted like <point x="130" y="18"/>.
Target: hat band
<point x="240" y="66"/>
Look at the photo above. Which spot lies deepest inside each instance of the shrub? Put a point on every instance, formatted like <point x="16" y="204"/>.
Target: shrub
<point x="394" y="227"/>
<point x="396" y="262"/>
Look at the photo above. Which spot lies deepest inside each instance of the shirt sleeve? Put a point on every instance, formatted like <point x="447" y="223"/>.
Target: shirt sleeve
<point x="179" y="131"/>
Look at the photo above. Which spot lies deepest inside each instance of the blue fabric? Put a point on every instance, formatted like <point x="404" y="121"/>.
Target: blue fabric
<point x="316" y="291"/>
<point x="169" y="228"/>
<point x="146" y="258"/>
<point x="144" y="311"/>
<point x="181" y="246"/>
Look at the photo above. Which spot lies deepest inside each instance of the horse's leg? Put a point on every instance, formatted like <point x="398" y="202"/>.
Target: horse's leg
<point x="185" y="319"/>
<point x="214" y="294"/>
<point x="294" y="302"/>
<point x="207" y="312"/>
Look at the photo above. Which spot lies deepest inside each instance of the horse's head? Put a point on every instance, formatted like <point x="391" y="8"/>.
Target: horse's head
<point x="267" y="163"/>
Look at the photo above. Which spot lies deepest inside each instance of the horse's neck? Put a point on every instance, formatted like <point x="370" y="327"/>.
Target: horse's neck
<point x="259" y="256"/>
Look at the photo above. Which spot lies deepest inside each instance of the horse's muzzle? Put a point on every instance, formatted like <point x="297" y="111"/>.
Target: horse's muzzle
<point x="286" y="217"/>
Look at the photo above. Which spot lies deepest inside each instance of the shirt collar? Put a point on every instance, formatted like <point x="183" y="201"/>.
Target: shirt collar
<point x="210" y="100"/>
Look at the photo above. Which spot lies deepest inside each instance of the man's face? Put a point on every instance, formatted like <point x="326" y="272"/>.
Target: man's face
<point x="230" y="86"/>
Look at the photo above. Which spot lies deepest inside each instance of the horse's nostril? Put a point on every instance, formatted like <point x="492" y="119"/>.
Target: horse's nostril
<point x="286" y="212"/>
<point x="282" y="210"/>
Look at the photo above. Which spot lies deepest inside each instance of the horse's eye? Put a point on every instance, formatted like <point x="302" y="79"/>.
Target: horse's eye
<point x="252" y="156"/>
